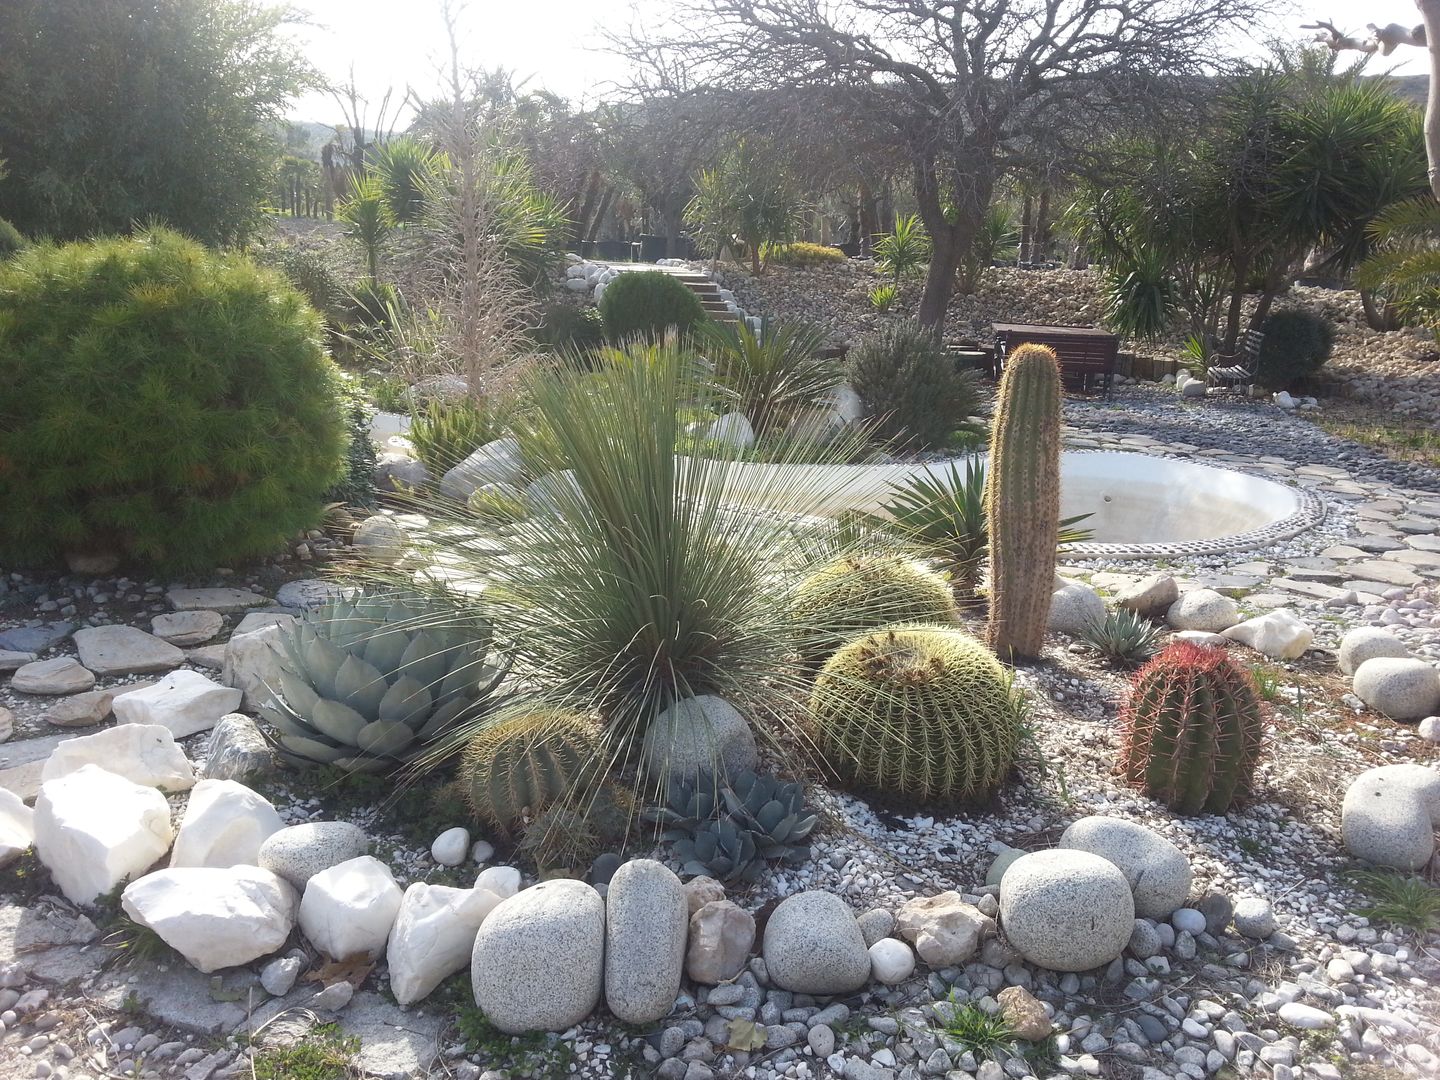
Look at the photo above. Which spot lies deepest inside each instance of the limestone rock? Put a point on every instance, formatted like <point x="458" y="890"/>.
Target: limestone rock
<point x="58" y="675"/>
<point x="1278" y="634"/>
<point x="945" y="930"/>
<point x="223" y="600"/>
<point x="721" y="936"/>
<point x="891" y="961"/>
<point x="253" y="662"/>
<point x="299" y="852"/>
<point x="646" y="921"/>
<point x="82" y="710"/>
<point x="503" y="881"/>
<point x="214" y="917"/>
<point x="1075" y="608"/>
<point x="309" y="594"/>
<point x="1066" y="910"/>
<point x="433" y="937"/>
<point x="94" y="829"/>
<point x="186" y="702"/>
<point x="701" y="890"/>
<point x="145" y="754"/>
<point x="1390" y="813"/>
<point x="224" y="825"/>
<point x="10" y="660"/>
<point x="185" y="628"/>
<point x="1024" y="1013"/>
<point x="539" y="959"/>
<point x="1157" y="871"/>
<point x="704" y="732"/>
<point x="1203" y="609"/>
<point x="814" y="946"/>
<point x="1398" y="687"/>
<point x="451" y="846"/>
<point x="732" y="430"/>
<point x="125" y="650"/>
<point x="1365" y="643"/>
<point x="1203" y="638"/>
<point x="350" y="908"/>
<point x="237" y="750"/>
<point x="1152" y="595"/>
<point x="498" y="462"/>
<point x="17" y="827"/>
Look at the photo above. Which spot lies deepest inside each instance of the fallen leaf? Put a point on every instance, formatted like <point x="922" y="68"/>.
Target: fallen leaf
<point x="353" y="969"/>
<point x="745" y="1035"/>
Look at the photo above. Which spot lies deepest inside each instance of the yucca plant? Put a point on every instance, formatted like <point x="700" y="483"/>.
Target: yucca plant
<point x="1404" y="269"/>
<point x="904" y="250"/>
<point x="371" y="682"/>
<point x="365" y="214"/>
<point x="1123" y="636"/>
<point x="1141" y="295"/>
<point x="769" y="376"/>
<point x="882" y="297"/>
<point x="405" y="166"/>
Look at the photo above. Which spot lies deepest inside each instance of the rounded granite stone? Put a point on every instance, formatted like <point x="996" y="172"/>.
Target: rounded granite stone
<point x="299" y="852"/>
<point x="1366" y="643"/>
<point x="1066" y="910"/>
<point x="539" y="959"/>
<point x="647" y="919"/>
<point x="813" y="945"/>
<point x="1157" y="870"/>
<point x="1390" y="813"/>
<point x="1398" y="687"/>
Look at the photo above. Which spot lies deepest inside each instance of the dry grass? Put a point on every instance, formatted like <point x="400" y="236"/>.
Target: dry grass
<point x="1398" y="438"/>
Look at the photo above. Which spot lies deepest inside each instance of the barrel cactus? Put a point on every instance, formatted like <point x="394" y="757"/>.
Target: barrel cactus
<point x="566" y="838"/>
<point x="370" y="682"/>
<point x="859" y="593"/>
<point x="922" y="712"/>
<point x="1192" y="729"/>
<point x="1022" y="500"/>
<point x="526" y="762"/>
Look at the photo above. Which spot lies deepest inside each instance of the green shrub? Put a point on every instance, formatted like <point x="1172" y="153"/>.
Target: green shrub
<point x="163" y="402"/>
<point x="648" y="303"/>
<point x="566" y="328"/>
<point x="11" y="239"/>
<point x="357" y="486"/>
<point x="1295" y="347"/>
<point x="372" y="305"/>
<point x="910" y="388"/>
<point x="801" y="254"/>
<point x="445" y="433"/>
<point x="311" y="273"/>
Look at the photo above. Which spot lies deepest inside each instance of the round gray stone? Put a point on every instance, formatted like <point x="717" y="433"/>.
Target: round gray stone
<point x="1400" y="688"/>
<point x="380" y="539"/>
<point x="1390" y="813"/>
<point x="1255" y="918"/>
<point x="1075" y="608"/>
<point x="647" y="917"/>
<point x="1066" y="910"/>
<point x="875" y="925"/>
<point x="1144" y="940"/>
<point x="699" y="733"/>
<point x="813" y="945"/>
<point x="299" y="852"/>
<point x="1203" y="609"/>
<point x="1002" y="862"/>
<point x="1157" y="870"/>
<point x="539" y="958"/>
<point x="1365" y="643"/>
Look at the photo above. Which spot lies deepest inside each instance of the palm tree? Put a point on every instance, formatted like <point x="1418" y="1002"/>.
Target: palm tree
<point x="367" y="218"/>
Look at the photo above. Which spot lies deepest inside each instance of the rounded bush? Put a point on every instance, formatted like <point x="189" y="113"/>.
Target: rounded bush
<point x="1295" y="347"/>
<point x="12" y="239"/>
<point x="648" y="303"/>
<point x="860" y="593"/>
<point x="801" y="255"/>
<point x="911" y="391"/>
<point x="922" y="712"/>
<point x="161" y="402"/>
<point x="565" y="327"/>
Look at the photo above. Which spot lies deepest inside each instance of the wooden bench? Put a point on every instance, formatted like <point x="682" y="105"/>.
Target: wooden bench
<point x="1085" y="353"/>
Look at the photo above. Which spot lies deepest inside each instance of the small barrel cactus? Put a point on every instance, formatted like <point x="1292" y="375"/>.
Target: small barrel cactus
<point x="526" y="762"/>
<point x="567" y="837"/>
<point x="1191" y="730"/>
<point x="921" y="712"/>
<point x="1022" y="500"/>
<point x="859" y="593"/>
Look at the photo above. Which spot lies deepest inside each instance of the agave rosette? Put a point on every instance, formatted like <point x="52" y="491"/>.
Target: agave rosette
<point x="373" y="681"/>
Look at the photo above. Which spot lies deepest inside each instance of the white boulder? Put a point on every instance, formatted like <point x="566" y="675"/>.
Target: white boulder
<point x="214" y="917"/>
<point x="17" y="826"/>
<point x="1203" y="609"/>
<point x="379" y="539"/>
<point x="498" y="462"/>
<point x="1157" y="871"/>
<point x="145" y="754"/>
<point x="451" y="846"/>
<point x="503" y="881"/>
<point x="1399" y="687"/>
<point x="891" y="961"/>
<point x="1366" y="643"/>
<point x="944" y="929"/>
<point x="433" y="937"/>
<point x="94" y="829"/>
<point x="1066" y="910"/>
<point x="253" y="661"/>
<point x="186" y="702"/>
<point x="1075" y="608"/>
<point x="125" y="650"/>
<point x="1390" y="814"/>
<point x="1151" y="595"/>
<point x="224" y="825"/>
<point x="1278" y="634"/>
<point x="350" y="908"/>
<point x="732" y="430"/>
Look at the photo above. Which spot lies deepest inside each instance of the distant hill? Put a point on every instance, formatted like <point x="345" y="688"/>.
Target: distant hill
<point x="1413" y="88"/>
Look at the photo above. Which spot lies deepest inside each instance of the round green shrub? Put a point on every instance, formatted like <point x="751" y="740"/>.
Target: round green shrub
<point x="920" y="712"/>
<point x="12" y="239"/>
<point x="648" y="303"/>
<point x="314" y="275"/>
<point x="1295" y="347"/>
<point x="161" y="402"/>
<point x="911" y="391"/>
<point x="859" y="593"/>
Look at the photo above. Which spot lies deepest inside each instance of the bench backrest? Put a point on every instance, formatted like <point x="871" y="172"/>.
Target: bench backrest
<point x="1078" y="353"/>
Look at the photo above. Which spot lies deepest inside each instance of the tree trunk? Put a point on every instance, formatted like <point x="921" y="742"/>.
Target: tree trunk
<point x="869" y="220"/>
<point x="950" y="241"/>
<point x="673" y="218"/>
<point x="1027" y="212"/>
<point x="1430" y="16"/>
<point x="1040" y="243"/>
<point x="606" y="198"/>
<point x="580" y="228"/>
<point x="1378" y="315"/>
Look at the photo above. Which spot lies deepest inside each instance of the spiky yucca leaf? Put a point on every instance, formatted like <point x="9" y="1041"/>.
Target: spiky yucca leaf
<point x="770" y="376"/>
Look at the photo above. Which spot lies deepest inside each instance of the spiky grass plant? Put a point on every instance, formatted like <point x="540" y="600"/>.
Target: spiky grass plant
<point x="1399" y="899"/>
<point x="979" y="1032"/>
<point x="445" y="433"/>
<point x="1122" y="637"/>
<point x="770" y="376"/>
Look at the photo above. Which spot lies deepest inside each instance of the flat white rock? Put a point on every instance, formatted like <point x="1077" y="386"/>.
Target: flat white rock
<point x="433" y="937"/>
<point x="1278" y="634"/>
<point x="214" y="917"/>
<point x="17" y="826"/>
<point x="253" y="662"/>
<point x="186" y="702"/>
<point x="94" y="829"/>
<point x="187" y="627"/>
<point x="215" y="599"/>
<point x="145" y="754"/>
<point x="224" y="825"/>
<point x="125" y="650"/>
<point x="350" y="908"/>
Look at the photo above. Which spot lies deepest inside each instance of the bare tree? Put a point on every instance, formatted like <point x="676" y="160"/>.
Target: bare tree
<point x="966" y="89"/>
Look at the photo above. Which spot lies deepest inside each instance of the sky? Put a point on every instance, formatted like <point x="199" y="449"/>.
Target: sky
<point x="558" y="44"/>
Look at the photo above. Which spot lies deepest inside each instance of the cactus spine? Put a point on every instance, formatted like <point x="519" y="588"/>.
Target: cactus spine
<point x="1191" y="730"/>
<point x="525" y="763"/>
<point x="1022" y="500"/>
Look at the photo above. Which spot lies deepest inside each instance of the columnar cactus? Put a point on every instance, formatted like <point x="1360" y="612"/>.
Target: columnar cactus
<point x="1191" y="730"/>
<point x="1022" y="500"/>
<point x="923" y="712"/>
<point x="525" y="763"/>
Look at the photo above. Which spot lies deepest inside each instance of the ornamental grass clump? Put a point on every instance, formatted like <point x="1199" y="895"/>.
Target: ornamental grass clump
<point x="160" y="402"/>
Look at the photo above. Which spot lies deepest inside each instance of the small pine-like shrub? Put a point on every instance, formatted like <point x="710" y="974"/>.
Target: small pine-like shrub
<point x="12" y="239"/>
<point x="312" y="274"/>
<point x="801" y="255"/>
<point x="357" y="485"/>
<point x="910" y="388"/>
<point x="161" y="402"/>
<point x="919" y="712"/>
<point x="1296" y="346"/>
<point x="648" y="303"/>
<point x="857" y="594"/>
